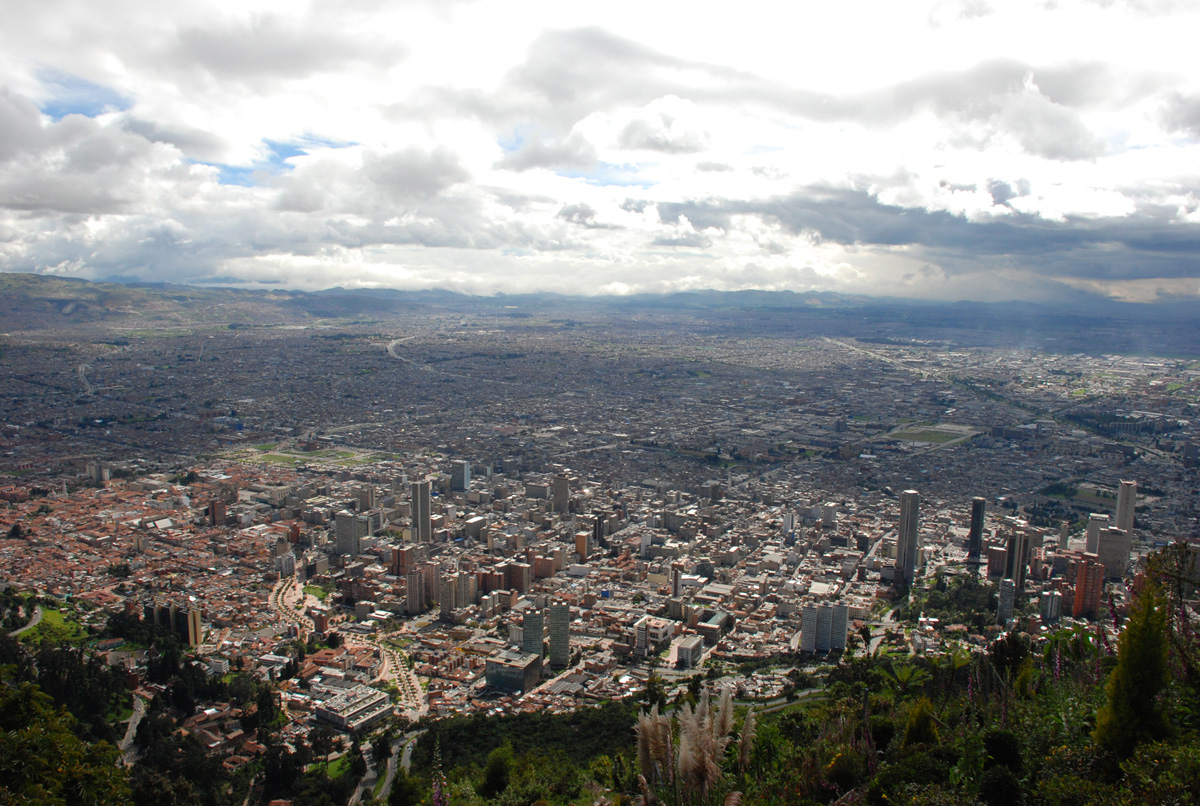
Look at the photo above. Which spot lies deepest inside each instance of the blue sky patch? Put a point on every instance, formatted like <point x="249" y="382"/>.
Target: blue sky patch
<point x="609" y="174"/>
<point x="278" y="153"/>
<point x="71" y="95"/>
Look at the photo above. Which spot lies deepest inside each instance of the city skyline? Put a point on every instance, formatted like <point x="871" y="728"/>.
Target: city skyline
<point x="947" y="150"/>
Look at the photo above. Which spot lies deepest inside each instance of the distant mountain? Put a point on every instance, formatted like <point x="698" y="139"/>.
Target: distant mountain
<point x="1089" y="324"/>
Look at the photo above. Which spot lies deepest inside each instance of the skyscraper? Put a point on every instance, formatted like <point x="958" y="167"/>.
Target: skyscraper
<point x="1096" y="523"/>
<point x="1018" y="551"/>
<point x="1126" y="504"/>
<point x="422" y="511"/>
<point x="561" y="494"/>
<point x="531" y="633"/>
<point x="460" y="475"/>
<point x="975" y="537"/>
<point x="907" y="537"/>
<point x="560" y="634"/>
<point x="1006" y="601"/>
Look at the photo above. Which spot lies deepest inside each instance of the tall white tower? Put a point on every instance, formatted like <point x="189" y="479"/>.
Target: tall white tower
<point x="1126" y="504"/>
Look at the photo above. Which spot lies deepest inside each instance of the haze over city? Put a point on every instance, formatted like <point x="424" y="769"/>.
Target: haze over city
<point x="948" y="150"/>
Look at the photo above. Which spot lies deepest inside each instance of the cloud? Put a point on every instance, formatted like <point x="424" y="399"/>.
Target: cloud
<point x="583" y="215"/>
<point x="665" y="125"/>
<point x="961" y="148"/>
<point x="572" y="151"/>
<point x="267" y="48"/>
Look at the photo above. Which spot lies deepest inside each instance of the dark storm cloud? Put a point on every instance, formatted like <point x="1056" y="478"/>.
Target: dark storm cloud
<point x="1148" y="244"/>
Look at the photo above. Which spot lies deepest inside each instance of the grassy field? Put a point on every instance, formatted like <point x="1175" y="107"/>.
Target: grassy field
<point x="927" y="435"/>
<point x="313" y="590"/>
<point x="54" y="627"/>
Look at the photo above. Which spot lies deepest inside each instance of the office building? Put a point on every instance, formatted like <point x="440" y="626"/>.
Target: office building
<point x="561" y="494"/>
<point x="1051" y="602"/>
<point x="1096" y="522"/>
<point x="1113" y="551"/>
<point x="460" y="476"/>
<point x="560" y="634"/>
<point x="975" y="536"/>
<point x="1017" y="557"/>
<point x="532" y="632"/>
<point x="907" y="537"/>
<point x="1008" y="600"/>
<point x="349" y="529"/>
<point x="513" y="671"/>
<point x="1126" y="505"/>
<point x="422" y="512"/>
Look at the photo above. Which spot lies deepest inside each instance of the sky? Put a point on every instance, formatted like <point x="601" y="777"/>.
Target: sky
<point x="959" y="149"/>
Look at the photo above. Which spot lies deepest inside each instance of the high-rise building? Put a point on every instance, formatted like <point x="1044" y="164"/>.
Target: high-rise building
<point x="1051" y="605"/>
<point x="1126" y="504"/>
<point x="532" y="631"/>
<point x="1089" y="587"/>
<point x="1096" y="522"/>
<point x="907" y="538"/>
<point x="422" y="512"/>
<point x="1114" y="547"/>
<point x="415" y="602"/>
<point x="447" y="596"/>
<point x="1064" y="535"/>
<point x="460" y="475"/>
<point x="808" y="628"/>
<point x="561" y="494"/>
<point x="349" y="529"/>
<point x="1016" y="561"/>
<point x="560" y="634"/>
<point x="1007" y="601"/>
<point x="840" y="626"/>
<point x="975" y="536"/>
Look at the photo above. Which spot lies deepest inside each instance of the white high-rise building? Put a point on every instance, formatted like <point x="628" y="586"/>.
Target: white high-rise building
<point x="1096" y="523"/>
<point x="1126" y="505"/>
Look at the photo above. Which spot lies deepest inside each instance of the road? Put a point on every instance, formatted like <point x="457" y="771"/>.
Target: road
<point x="33" y="622"/>
<point x="126" y="743"/>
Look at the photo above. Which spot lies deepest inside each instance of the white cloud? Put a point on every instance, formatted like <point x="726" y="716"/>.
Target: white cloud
<point x="962" y="149"/>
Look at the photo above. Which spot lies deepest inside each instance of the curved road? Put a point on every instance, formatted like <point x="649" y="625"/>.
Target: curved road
<point x="33" y="622"/>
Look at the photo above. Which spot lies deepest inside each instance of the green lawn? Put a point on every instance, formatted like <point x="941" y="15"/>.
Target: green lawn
<point x="278" y="459"/>
<point x="55" y="628"/>
<point x="313" y="590"/>
<point x="928" y="436"/>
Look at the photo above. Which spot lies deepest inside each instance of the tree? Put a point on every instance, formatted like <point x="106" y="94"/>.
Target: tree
<point x="497" y="772"/>
<point x="1132" y="714"/>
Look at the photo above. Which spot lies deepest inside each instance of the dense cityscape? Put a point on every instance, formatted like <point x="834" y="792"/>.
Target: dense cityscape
<point x="457" y="510"/>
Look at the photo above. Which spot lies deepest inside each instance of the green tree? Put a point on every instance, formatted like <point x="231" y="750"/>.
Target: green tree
<point x="44" y="762"/>
<point x="1133" y="714"/>
<point x="497" y="772"/>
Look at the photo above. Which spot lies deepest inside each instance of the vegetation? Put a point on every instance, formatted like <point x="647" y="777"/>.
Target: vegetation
<point x="1066" y="721"/>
